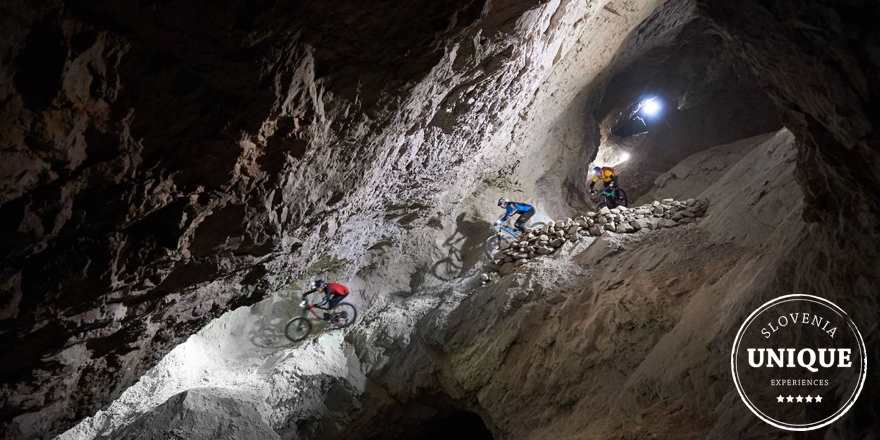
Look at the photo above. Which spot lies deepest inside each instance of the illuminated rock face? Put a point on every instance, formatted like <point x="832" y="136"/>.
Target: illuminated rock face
<point x="201" y="414"/>
<point x="164" y="164"/>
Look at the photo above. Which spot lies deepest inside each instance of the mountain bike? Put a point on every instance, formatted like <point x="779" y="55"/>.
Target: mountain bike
<point x="503" y="232"/>
<point x="341" y="316"/>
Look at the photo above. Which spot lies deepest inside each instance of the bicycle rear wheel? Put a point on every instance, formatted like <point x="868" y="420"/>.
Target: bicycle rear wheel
<point x="298" y="329"/>
<point x="344" y="315"/>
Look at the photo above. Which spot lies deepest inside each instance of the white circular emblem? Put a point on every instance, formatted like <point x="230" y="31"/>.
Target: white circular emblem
<point x="798" y="362"/>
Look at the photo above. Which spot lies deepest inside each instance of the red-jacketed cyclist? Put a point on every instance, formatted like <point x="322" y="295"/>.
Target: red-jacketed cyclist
<point x="334" y="293"/>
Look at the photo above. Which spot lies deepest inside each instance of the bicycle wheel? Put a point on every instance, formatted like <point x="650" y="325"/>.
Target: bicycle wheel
<point x="344" y="315"/>
<point x="491" y="246"/>
<point x="298" y="329"/>
<point x="447" y="269"/>
<point x="621" y="198"/>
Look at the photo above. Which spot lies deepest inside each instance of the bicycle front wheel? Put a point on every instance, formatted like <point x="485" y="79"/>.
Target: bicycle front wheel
<point x="491" y="246"/>
<point x="297" y="329"/>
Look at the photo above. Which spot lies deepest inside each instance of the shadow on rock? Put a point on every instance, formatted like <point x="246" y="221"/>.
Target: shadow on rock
<point x="268" y="331"/>
<point x="463" y="249"/>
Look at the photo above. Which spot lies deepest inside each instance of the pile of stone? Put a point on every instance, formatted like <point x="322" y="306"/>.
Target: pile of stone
<point x="666" y="213"/>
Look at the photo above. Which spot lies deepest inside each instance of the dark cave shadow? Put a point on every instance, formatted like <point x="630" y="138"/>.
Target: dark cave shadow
<point x="463" y="249"/>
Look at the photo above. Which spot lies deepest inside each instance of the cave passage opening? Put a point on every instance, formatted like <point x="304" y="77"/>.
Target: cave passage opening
<point x="664" y="99"/>
<point x="455" y="424"/>
<point x="429" y="418"/>
<point x="638" y="118"/>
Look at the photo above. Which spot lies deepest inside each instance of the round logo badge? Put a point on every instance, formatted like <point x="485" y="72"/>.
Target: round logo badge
<point x="798" y="362"/>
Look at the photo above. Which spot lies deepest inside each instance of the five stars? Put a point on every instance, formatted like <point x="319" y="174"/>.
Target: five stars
<point x="799" y="399"/>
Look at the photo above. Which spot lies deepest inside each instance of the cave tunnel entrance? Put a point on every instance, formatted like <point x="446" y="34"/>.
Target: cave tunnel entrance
<point x="638" y="118"/>
<point x="454" y="425"/>
<point x="668" y="99"/>
<point x="429" y="420"/>
<point x="445" y="425"/>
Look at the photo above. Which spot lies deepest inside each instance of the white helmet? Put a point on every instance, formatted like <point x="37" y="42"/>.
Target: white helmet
<point x="502" y="201"/>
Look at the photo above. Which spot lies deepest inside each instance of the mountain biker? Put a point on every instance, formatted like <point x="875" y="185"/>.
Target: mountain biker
<point x="334" y="293"/>
<point x="612" y="193"/>
<point x="524" y="210"/>
<point x="606" y="175"/>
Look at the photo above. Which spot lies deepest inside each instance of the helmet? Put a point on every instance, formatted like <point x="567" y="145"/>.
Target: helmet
<point x="502" y="201"/>
<point x="317" y="284"/>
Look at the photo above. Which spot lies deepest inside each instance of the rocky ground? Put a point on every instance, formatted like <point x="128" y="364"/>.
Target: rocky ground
<point x="546" y="240"/>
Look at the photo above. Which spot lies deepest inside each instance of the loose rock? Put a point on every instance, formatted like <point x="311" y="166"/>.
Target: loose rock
<point x="667" y="213"/>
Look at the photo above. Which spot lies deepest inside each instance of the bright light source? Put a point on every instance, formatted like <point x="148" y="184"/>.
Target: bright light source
<point x="650" y="107"/>
<point x="624" y="156"/>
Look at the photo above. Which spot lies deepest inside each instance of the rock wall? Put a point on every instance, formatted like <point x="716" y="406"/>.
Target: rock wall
<point x="165" y="163"/>
<point x="707" y="96"/>
<point x="817" y="65"/>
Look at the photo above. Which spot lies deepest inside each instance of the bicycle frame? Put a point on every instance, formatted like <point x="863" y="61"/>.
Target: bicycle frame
<point x="607" y="195"/>
<point x="506" y="229"/>
<point x="309" y="308"/>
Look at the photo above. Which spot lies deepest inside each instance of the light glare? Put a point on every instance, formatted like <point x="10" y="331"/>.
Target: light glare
<point x="651" y="107"/>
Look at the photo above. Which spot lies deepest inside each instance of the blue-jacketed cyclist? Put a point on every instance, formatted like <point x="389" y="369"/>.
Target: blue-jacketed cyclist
<point x="524" y="210"/>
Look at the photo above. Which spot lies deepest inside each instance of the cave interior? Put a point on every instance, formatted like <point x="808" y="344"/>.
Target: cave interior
<point x="175" y="173"/>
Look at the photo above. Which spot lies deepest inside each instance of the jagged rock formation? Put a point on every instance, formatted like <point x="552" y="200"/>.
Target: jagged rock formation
<point x="165" y="163"/>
